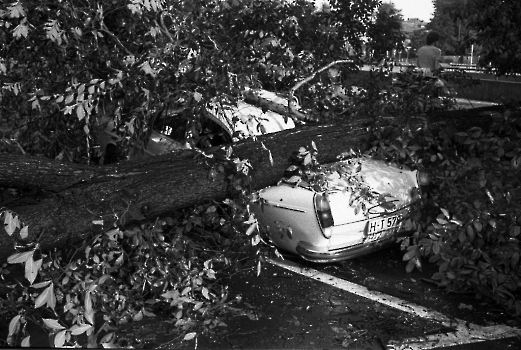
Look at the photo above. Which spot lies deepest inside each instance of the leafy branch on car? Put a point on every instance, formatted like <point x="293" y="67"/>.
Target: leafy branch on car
<point x="67" y="72"/>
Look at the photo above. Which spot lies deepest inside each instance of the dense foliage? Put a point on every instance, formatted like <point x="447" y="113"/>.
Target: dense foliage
<point x="470" y="220"/>
<point x="470" y="223"/>
<point x="497" y="31"/>
<point x="385" y="35"/>
<point x="83" y="296"/>
<point x="449" y="20"/>
<point x="68" y="67"/>
<point x="493" y="27"/>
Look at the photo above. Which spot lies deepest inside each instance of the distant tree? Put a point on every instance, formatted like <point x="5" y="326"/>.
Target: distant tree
<point x="386" y="33"/>
<point x="493" y="26"/>
<point x="497" y="29"/>
<point x="450" y="22"/>
<point x="355" y="17"/>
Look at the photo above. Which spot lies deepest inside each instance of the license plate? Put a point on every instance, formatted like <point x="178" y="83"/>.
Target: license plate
<point x="380" y="227"/>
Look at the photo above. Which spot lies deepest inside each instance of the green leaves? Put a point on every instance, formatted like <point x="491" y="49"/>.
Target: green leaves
<point x="470" y="233"/>
<point x="53" y="32"/>
<point x="21" y="30"/>
<point x="14" y="327"/>
<point x="89" y="311"/>
<point x="41" y="284"/>
<point x="190" y="336"/>
<point x="20" y="258"/>
<point x="474" y="239"/>
<point x="59" y="338"/>
<point x="46" y="297"/>
<point x="15" y="10"/>
<point x="13" y="223"/>
<point x="53" y="324"/>
<point x="137" y="6"/>
<point x="161" y="262"/>
<point x="497" y="46"/>
<point x="61" y="334"/>
<point x="31" y="268"/>
<point x="385" y="34"/>
<point x="92" y="288"/>
<point x="254" y="226"/>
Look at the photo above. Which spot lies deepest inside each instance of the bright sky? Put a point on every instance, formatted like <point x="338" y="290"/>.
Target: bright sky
<point x="422" y="9"/>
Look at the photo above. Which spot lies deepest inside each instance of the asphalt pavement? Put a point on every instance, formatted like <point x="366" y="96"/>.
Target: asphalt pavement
<point x="290" y="306"/>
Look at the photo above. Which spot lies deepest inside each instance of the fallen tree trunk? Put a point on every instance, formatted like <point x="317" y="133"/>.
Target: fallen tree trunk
<point x="73" y="197"/>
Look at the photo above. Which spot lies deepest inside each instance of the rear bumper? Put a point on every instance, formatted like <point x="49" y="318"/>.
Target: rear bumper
<point x="344" y="253"/>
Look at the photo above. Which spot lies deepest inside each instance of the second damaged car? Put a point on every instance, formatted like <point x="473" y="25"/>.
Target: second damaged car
<point x="171" y="129"/>
<point x="360" y="206"/>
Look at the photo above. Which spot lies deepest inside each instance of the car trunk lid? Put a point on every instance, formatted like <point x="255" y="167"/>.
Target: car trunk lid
<point x="393" y="187"/>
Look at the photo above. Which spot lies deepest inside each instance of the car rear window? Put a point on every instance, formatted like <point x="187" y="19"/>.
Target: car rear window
<point x="171" y="125"/>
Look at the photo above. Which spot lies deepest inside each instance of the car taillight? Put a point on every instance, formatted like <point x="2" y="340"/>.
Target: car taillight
<point x="324" y="213"/>
<point x="423" y="178"/>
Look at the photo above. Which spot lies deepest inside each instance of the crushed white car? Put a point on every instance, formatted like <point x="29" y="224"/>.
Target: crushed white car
<point x="362" y="210"/>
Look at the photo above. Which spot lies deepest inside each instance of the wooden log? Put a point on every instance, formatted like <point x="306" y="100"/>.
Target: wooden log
<point x="73" y="197"/>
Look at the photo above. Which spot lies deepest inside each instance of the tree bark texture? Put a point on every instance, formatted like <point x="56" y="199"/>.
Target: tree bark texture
<point x="72" y="196"/>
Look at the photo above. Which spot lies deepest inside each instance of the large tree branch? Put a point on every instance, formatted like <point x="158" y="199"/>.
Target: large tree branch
<point x="74" y="196"/>
<point x="292" y="106"/>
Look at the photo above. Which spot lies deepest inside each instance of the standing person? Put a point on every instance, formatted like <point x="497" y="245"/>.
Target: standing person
<point x="429" y="55"/>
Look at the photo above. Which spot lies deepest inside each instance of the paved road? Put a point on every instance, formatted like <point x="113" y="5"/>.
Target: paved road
<point x="463" y="334"/>
<point x="290" y="306"/>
